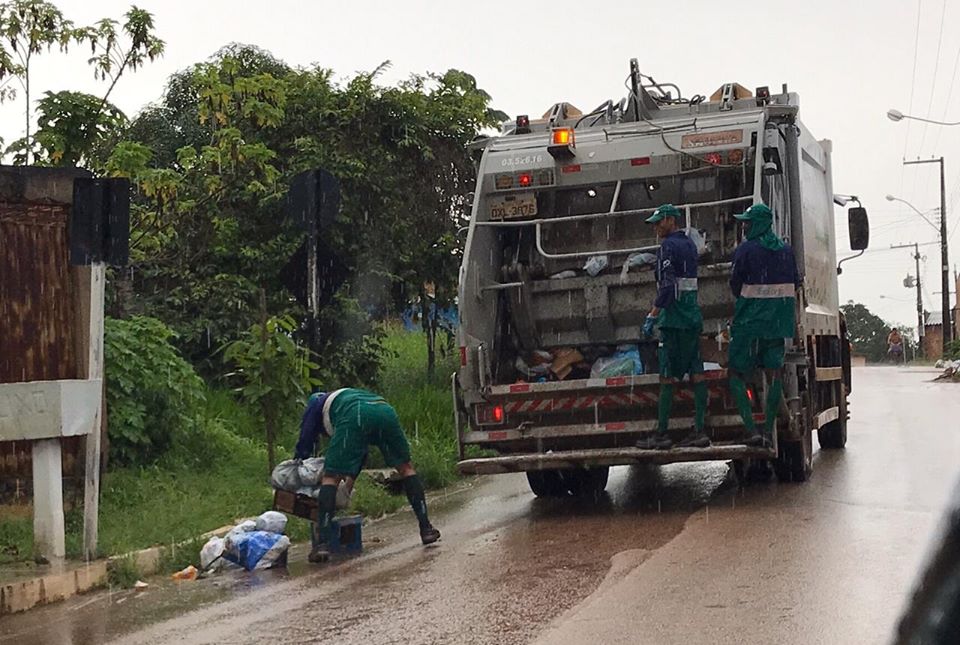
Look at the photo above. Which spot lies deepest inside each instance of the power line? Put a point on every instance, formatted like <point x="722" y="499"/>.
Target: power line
<point x="946" y="105"/>
<point x="933" y="81"/>
<point x="913" y="80"/>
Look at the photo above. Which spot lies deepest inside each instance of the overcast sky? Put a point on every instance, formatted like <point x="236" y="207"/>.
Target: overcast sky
<point x="849" y="64"/>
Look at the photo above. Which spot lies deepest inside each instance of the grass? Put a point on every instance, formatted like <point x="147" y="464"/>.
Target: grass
<point x="424" y="405"/>
<point x="218" y="474"/>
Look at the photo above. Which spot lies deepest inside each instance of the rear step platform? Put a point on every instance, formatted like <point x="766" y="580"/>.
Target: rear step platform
<point x="610" y="457"/>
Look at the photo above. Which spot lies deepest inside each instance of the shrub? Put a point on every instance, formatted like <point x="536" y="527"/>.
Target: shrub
<point x="153" y="395"/>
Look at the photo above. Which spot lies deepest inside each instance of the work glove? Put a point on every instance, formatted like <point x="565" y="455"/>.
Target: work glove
<point x="648" y="326"/>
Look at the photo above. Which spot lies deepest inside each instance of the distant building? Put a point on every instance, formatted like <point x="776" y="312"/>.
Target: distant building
<point x="933" y="334"/>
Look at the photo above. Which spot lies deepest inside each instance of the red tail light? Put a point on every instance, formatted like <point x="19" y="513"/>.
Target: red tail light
<point x="463" y="356"/>
<point x="714" y="158"/>
<point x="525" y="179"/>
<point x="640" y="161"/>
<point x="490" y="415"/>
<point x="573" y="168"/>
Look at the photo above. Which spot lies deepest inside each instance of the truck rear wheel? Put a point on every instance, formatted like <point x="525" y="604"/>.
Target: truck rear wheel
<point x="578" y="482"/>
<point x="833" y="435"/>
<point x="546" y="483"/>
<point x="586" y="481"/>
<point x="795" y="460"/>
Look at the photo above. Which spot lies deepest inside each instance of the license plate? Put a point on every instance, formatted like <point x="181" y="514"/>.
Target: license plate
<point x="513" y="206"/>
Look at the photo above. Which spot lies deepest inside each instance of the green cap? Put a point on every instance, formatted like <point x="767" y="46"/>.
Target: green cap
<point x="757" y="211"/>
<point x="667" y="210"/>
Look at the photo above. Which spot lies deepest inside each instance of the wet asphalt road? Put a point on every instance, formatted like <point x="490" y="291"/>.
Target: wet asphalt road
<point x="678" y="554"/>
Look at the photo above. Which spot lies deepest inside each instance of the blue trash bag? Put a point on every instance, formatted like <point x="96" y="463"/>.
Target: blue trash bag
<point x="247" y="549"/>
<point x="625" y="362"/>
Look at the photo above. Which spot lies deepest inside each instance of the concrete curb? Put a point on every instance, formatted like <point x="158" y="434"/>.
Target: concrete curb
<point x="76" y="579"/>
<point x="52" y="587"/>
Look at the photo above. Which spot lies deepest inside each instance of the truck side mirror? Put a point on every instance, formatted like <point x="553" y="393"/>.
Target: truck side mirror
<point x="859" y="227"/>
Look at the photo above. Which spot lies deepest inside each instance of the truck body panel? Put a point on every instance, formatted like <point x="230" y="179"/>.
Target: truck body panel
<point x="539" y="218"/>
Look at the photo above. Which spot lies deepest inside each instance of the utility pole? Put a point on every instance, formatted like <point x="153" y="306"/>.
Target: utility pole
<point x="916" y="257"/>
<point x="944" y="263"/>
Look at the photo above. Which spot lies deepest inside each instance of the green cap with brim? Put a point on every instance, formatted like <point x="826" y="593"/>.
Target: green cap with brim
<point x="667" y="210"/>
<point x="757" y="211"/>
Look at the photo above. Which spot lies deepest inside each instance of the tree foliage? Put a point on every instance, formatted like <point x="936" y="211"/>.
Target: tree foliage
<point x="30" y="27"/>
<point x="868" y="332"/>
<point x="212" y="163"/>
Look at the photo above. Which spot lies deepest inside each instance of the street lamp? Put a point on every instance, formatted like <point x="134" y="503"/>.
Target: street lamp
<point x="897" y="115"/>
<point x="891" y="198"/>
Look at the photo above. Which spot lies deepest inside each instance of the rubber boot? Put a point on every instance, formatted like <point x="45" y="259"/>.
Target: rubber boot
<point x="327" y="503"/>
<point x="774" y="394"/>
<point x="664" y="405"/>
<point x="701" y="398"/>
<point x="738" y="389"/>
<point x="413" y="487"/>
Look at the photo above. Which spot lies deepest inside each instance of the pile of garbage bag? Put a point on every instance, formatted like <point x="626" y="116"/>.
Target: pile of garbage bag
<point x="252" y="545"/>
<point x="951" y="370"/>
<point x="561" y="363"/>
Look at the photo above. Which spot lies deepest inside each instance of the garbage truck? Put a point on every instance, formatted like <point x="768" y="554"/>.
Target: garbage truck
<point x="556" y="378"/>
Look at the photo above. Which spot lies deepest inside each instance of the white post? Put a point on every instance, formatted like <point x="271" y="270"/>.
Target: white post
<point x="48" y="538"/>
<point x="91" y="324"/>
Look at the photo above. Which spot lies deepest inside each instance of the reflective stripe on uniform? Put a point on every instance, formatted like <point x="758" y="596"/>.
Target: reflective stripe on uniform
<point x="768" y="291"/>
<point x="686" y="284"/>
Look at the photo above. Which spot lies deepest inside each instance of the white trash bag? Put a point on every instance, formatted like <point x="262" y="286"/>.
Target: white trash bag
<point x="637" y="260"/>
<point x="210" y="554"/>
<point x="310" y="471"/>
<point x="272" y="521"/>
<point x="344" y="495"/>
<point x="595" y="264"/>
<point x="286" y="475"/>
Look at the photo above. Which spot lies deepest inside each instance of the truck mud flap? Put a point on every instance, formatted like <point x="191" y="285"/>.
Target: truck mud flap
<point x="608" y="457"/>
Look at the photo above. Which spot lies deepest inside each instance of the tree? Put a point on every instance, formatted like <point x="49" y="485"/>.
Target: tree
<point x="72" y="128"/>
<point x="212" y="163"/>
<point x="868" y="332"/>
<point x="117" y="51"/>
<point x="27" y="27"/>
<point x="274" y="371"/>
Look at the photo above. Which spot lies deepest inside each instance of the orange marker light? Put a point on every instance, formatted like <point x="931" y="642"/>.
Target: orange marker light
<point x="563" y="136"/>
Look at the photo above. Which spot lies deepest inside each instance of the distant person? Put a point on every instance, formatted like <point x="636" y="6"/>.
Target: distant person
<point x="354" y="420"/>
<point x="764" y="282"/>
<point x="895" y="346"/>
<point x="678" y="316"/>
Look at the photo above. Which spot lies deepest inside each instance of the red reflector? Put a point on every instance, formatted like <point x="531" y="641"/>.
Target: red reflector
<point x="616" y="380"/>
<point x="573" y="168"/>
<point x="520" y="387"/>
<point x="525" y="180"/>
<point x="750" y="394"/>
<point x="463" y="356"/>
<point x="714" y="158"/>
<point x="640" y="161"/>
<point x="498" y="413"/>
<point x="613" y="427"/>
<point x="496" y="436"/>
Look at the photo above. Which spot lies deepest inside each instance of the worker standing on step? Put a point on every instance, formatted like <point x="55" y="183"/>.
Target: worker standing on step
<point x="678" y="315"/>
<point x="764" y="282"/>
<point x="354" y="420"/>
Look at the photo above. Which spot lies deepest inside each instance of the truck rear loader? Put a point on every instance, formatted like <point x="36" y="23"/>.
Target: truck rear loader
<point x="556" y="378"/>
